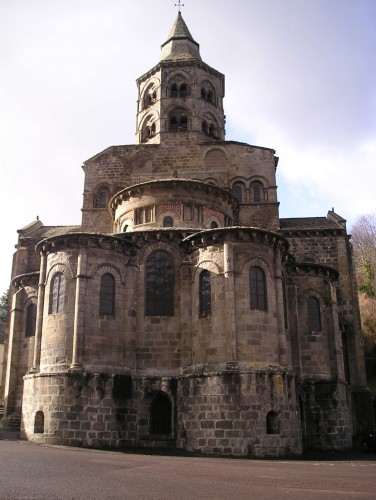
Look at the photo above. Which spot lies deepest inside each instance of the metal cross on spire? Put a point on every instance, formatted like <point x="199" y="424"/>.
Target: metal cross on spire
<point x="179" y="4"/>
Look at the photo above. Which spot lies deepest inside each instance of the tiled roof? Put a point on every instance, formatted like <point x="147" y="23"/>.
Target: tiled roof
<point x="308" y="223"/>
<point x="180" y="29"/>
<point x="47" y="231"/>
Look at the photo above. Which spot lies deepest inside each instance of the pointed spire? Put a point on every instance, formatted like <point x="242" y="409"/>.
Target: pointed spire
<point x="180" y="44"/>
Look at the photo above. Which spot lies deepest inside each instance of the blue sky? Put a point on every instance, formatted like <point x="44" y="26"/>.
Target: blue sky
<point x="300" y="78"/>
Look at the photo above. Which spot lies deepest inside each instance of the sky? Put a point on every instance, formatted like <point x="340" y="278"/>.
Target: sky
<point x="300" y="78"/>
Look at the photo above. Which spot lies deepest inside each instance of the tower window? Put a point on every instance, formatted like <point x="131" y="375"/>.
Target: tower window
<point x="257" y="192"/>
<point x="57" y="294"/>
<point x="257" y="285"/>
<point x="159" y="284"/>
<point x="160" y="415"/>
<point x="212" y="131"/>
<point x="205" y="127"/>
<point x="213" y="225"/>
<point x="100" y="200"/>
<point x="179" y="90"/>
<point x="178" y="123"/>
<point x="314" y="317"/>
<point x="204" y="293"/>
<point x="31" y="317"/>
<point x="237" y="190"/>
<point x="107" y="295"/>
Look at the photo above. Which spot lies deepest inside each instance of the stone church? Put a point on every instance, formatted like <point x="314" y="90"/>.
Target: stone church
<point x="184" y="312"/>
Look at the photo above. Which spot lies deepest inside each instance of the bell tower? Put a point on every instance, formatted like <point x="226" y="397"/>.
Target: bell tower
<point x="181" y="95"/>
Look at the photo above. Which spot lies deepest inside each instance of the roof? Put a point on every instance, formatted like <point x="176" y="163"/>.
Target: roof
<point x="47" y="231"/>
<point x="308" y="223"/>
<point x="180" y="44"/>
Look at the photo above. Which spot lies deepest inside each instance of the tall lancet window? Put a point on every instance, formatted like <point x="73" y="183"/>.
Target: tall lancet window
<point x="159" y="284"/>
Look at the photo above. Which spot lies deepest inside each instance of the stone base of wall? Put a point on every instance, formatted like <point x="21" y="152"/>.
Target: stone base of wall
<point x="326" y="415"/>
<point x="253" y="413"/>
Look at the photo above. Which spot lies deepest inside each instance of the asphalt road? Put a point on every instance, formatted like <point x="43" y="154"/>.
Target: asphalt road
<point x="34" y="472"/>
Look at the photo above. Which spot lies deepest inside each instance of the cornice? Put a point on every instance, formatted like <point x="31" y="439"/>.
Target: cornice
<point x="312" y="269"/>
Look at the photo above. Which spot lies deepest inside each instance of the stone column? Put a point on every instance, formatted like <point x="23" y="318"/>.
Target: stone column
<point x="282" y="341"/>
<point x="335" y="340"/>
<point x="40" y="312"/>
<point x="11" y="376"/>
<point x="79" y="311"/>
<point x="230" y="316"/>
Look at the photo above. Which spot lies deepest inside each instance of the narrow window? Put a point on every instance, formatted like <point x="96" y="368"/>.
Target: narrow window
<point x="160" y="415"/>
<point x="183" y="90"/>
<point x="174" y="123"/>
<point x="203" y="94"/>
<point x="212" y="130"/>
<point x="272" y="423"/>
<point x="174" y="90"/>
<point x="57" y="294"/>
<point x="107" y="295"/>
<point x="213" y="225"/>
<point x="101" y="199"/>
<point x="183" y="124"/>
<point x="168" y="221"/>
<point x="39" y="423"/>
<point x="31" y="317"/>
<point x="257" y="285"/>
<point x="237" y="190"/>
<point x="256" y="193"/>
<point x="204" y="293"/>
<point x="314" y="317"/>
<point x="209" y="96"/>
<point x="160" y="284"/>
<point x="205" y="128"/>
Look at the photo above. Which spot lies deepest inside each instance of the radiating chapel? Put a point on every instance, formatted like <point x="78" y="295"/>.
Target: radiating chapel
<point x="183" y="312"/>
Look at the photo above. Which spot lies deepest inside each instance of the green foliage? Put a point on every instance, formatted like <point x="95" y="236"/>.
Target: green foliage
<point x="4" y="307"/>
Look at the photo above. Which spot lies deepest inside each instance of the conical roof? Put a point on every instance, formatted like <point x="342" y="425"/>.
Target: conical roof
<point x="180" y="44"/>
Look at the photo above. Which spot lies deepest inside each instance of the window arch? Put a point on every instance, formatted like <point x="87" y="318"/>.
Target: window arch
<point x="178" y="123"/>
<point x="100" y="199"/>
<point x="238" y="191"/>
<point x="204" y="293"/>
<point x="179" y="89"/>
<point x="160" y="284"/>
<point x="31" y="318"/>
<point x="57" y="294"/>
<point x="107" y="295"/>
<point x="314" y="316"/>
<point x="168" y="221"/>
<point x="150" y="96"/>
<point x="257" y="192"/>
<point x="161" y="415"/>
<point x="257" y="288"/>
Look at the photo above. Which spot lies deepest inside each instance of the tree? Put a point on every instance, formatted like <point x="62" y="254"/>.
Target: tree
<point x="364" y="243"/>
<point x="4" y="307"/>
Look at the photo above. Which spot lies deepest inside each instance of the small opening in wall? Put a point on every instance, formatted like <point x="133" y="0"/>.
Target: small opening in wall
<point x="272" y="423"/>
<point x="39" y="423"/>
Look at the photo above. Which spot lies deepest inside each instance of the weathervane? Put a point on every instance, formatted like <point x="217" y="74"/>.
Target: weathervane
<point x="179" y="4"/>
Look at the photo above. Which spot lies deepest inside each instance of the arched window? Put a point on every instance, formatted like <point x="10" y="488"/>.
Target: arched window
<point x="160" y="284"/>
<point x="314" y="317"/>
<point x="183" y="90"/>
<point x="205" y="127"/>
<point x="257" y="288"/>
<point x="160" y="415"/>
<point x="209" y="96"/>
<point x="174" y="90"/>
<point x="100" y="200"/>
<point x="31" y="317"/>
<point x="272" y="423"/>
<point x="168" y="221"/>
<point x="39" y="423"/>
<point x="178" y="123"/>
<point x="257" y="192"/>
<point x="237" y="190"/>
<point x="213" y="225"/>
<point x="203" y="93"/>
<point x="107" y="295"/>
<point x="204" y="293"/>
<point x="57" y="294"/>
<point x="212" y="131"/>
